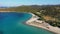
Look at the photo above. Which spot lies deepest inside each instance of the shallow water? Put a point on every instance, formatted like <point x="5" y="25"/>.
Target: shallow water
<point x="12" y="23"/>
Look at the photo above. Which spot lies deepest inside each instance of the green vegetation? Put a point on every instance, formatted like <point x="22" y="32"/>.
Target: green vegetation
<point x="48" y="13"/>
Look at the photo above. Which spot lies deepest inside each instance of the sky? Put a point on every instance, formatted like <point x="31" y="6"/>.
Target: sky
<point x="28" y="2"/>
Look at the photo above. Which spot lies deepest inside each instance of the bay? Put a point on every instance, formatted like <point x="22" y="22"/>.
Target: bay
<point x="13" y="23"/>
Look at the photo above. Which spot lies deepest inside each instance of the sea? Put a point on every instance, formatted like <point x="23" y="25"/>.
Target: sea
<point x="14" y="23"/>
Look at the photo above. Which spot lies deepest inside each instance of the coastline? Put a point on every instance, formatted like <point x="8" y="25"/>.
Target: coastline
<point x="7" y="11"/>
<point x="44" y="25"/>
<point x="39" y="25"/>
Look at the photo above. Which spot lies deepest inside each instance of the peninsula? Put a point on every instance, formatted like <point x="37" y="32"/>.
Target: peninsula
<point x="42" y="24"/>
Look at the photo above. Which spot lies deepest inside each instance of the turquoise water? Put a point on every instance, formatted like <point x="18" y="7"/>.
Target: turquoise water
<point x="13" y="23"/>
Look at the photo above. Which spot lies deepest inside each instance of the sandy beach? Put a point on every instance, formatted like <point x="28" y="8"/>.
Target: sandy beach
<point x="34" y="22"/>
<point x="7" y="11"/>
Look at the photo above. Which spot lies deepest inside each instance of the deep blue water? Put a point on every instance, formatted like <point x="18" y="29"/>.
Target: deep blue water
<point x="13" y="23"/>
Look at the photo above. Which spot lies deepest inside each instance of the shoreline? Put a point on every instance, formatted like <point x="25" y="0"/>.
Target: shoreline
<point x="34" y="18"/>
<point x="39" y="28"/>
<point x="45" y="26"/>
<point x="7" y="11"/>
